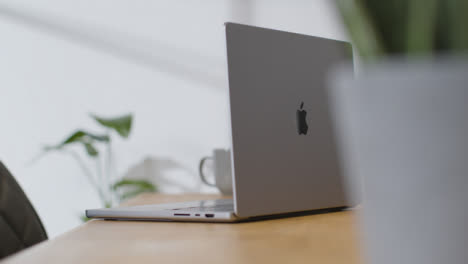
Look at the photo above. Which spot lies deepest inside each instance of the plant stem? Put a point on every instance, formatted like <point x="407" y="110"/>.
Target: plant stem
<point x="102" y="182"/>
<point x="88" y="173"/>
<point x="109" y="167"/>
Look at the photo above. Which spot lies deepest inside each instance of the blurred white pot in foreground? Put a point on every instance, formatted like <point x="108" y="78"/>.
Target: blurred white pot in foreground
<point x="403" y="129"/>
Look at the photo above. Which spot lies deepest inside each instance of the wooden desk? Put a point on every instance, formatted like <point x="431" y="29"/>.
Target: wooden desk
<point x="321" y="239"/>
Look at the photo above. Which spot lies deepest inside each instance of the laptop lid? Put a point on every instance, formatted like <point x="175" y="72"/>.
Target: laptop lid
<point x="283" y="148"/>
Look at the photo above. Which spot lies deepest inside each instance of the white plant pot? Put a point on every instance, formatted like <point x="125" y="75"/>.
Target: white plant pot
<point x="403" y="130"/>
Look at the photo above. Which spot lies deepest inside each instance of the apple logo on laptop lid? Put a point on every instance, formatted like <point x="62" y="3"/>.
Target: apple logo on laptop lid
<point x="302" y="126"/>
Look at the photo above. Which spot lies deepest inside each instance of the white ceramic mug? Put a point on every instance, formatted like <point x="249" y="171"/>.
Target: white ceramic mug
<point x="221" y="159"/>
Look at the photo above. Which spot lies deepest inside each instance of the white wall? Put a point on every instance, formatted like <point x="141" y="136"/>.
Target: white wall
<point x="162" y="60"/>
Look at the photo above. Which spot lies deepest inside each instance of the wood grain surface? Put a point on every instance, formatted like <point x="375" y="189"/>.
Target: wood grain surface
<point x="321" y="238"/>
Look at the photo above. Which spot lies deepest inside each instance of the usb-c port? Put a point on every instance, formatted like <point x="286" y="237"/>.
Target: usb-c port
<point x="209" y="215"/>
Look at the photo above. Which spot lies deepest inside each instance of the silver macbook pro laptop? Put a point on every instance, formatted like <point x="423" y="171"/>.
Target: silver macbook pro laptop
<point x="284" y="157"/>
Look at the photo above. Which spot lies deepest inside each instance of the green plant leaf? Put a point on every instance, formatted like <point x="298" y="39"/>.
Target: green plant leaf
<point x="142" y="184"/>
<point x="361" y="28"/>
<point x="84" y="218"/>
<point x="81" y="137"/>
<point x="90" y="149"/>
<point x="122" y="124"/>
<point x="457" y="19"/>
<point x="421" y="26"/>
<point x="127" y="188"/>
<point x="390" y="21"/>
<point x="401" y="27"/>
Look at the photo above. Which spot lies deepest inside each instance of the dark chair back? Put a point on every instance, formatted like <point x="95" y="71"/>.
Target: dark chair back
<point x="20" y="227"/>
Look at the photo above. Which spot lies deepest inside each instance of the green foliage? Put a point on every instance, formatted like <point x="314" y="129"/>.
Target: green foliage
<point x="81" y="137"/>
<point x="84" y="218"/>
<point x="406" y="27"/>
<point x="127" y="188"/>
<point x="108" y="189"/>
<point x="122" y="125"/>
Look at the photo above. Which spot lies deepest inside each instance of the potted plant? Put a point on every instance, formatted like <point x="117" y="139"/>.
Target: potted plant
<point x="99" y="165"/>
<point x="403" y="127"/>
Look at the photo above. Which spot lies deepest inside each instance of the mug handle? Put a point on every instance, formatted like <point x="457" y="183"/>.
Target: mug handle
<point x="202" y="175"/>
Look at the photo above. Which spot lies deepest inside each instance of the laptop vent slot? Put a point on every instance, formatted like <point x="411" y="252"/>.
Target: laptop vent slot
<point x="181" y="214"/>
